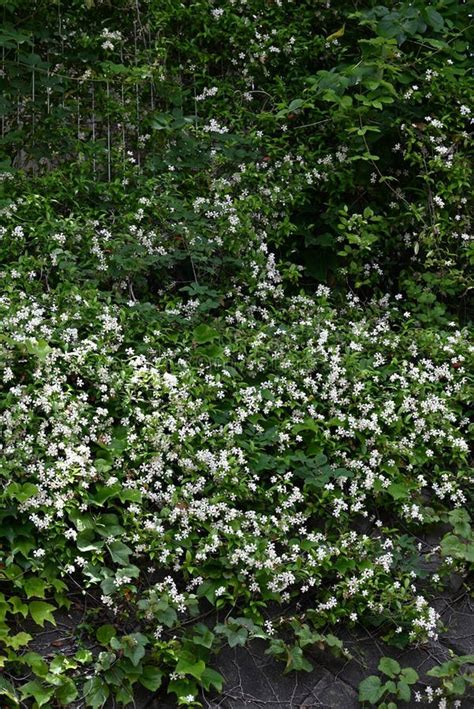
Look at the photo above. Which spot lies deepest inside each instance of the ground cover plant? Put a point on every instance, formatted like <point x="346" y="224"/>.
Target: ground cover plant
<point x="235" y="340"/>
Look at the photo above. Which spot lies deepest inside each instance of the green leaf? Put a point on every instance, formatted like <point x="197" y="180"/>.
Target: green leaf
<point x="8" y="690"/>
<point x="398" y="491"/>
<point x="134" y="647"/>
<point x="457" y="548"/>
<point x="124" y="696"/>
<point x="460" y="520"/>
<point x="433" y="18"/>
<point x="35" y="587"/>
<point x="95" y="692"/>
<point x="333" y="641"/>
<point x="41" y="612"/>
<point x="38" y="691"/>
<point x="442" y="670"/>
<point x="237" y="637"/>
<point x="105" y="633"/>
<point x="210" y="678"/>
<point x="168" y="616"/>
<point x="36" y="662"/>
<point x="202" y="636"/>
<point x="370" y="689"/>
<point x="459" y="685"/>
<point x="187" y="667"/>
<point x="389" y="667"/>
<point x="296" y="660"/>
<point x="120" y="552"/>
<point x="39" y="348"/>
<point x="182" y="688"/>
<point x="410" y="675"/>
<point x="102" y="466"/>
<point x="295" y="104"/>
<point x="404" y="691"/>
<point x="18" y="640"/>
<point x="24" y="546"/>
<point x="61" y="663"/>
<point x="204" y="333"/>
<point x="21" y="492"/>
<point x="151" y="678"/>
<point x="18" y="606"/>
<point x="83" y="656"/>
<point x="86" y="541"/>
<point x="67" y="692"/>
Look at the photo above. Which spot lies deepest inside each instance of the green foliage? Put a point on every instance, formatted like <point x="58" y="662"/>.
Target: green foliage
<point x="455" y="675"/>
<point x="398" y="685"/>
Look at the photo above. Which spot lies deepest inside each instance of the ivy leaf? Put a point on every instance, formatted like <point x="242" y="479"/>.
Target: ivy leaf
<point x="211" y="678"/>
<point x="61" y="663"/>
<point x="202" y="636"/>
<point x="134" y="647"/>
<point x="105" y="633"/>
<point x="35" y="587"/>
<point x="124" y="696"/>
<point x="460" y="520"/>
<point x="182" y="688"/>
<point x="167" y="616"/>
<point x="135" y="654"/>
<point x="370" y="689"/>
<point x="456" y="547"/>
<point x="86" y="541"/>
<point x="21" y="492"/>
<point x="459" y="685"/>
<point x="18" y="606"/>
<point x="8" y="690"/>
<point x="95" y="692"/>
<point x="41" y="612"/>
<point x="410" y="675"/>
<point x="151" y="678"/>
<point x="296" y="660"/>
<point x="187" y="667"/>
<point x="83" y="656"/>
<point x="17" y="641"/>
<point x="36" y="662"/>
<point x="39" y="692"/>
<point x="404" y="691"/>
<point x="389" y="667"/>
<point x="237" y="637"/>
<point x="120" y="552"/>
<point x="67" y="692"/>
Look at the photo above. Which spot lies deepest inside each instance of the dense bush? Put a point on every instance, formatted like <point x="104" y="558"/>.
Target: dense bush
<point x="235" y="251"/>
<point x="338" y="135"/>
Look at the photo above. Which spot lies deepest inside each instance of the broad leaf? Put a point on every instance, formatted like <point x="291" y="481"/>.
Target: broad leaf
<point x="41" y="612"/>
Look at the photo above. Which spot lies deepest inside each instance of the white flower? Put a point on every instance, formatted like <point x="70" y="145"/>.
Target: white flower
<point x="170" y="380"/>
